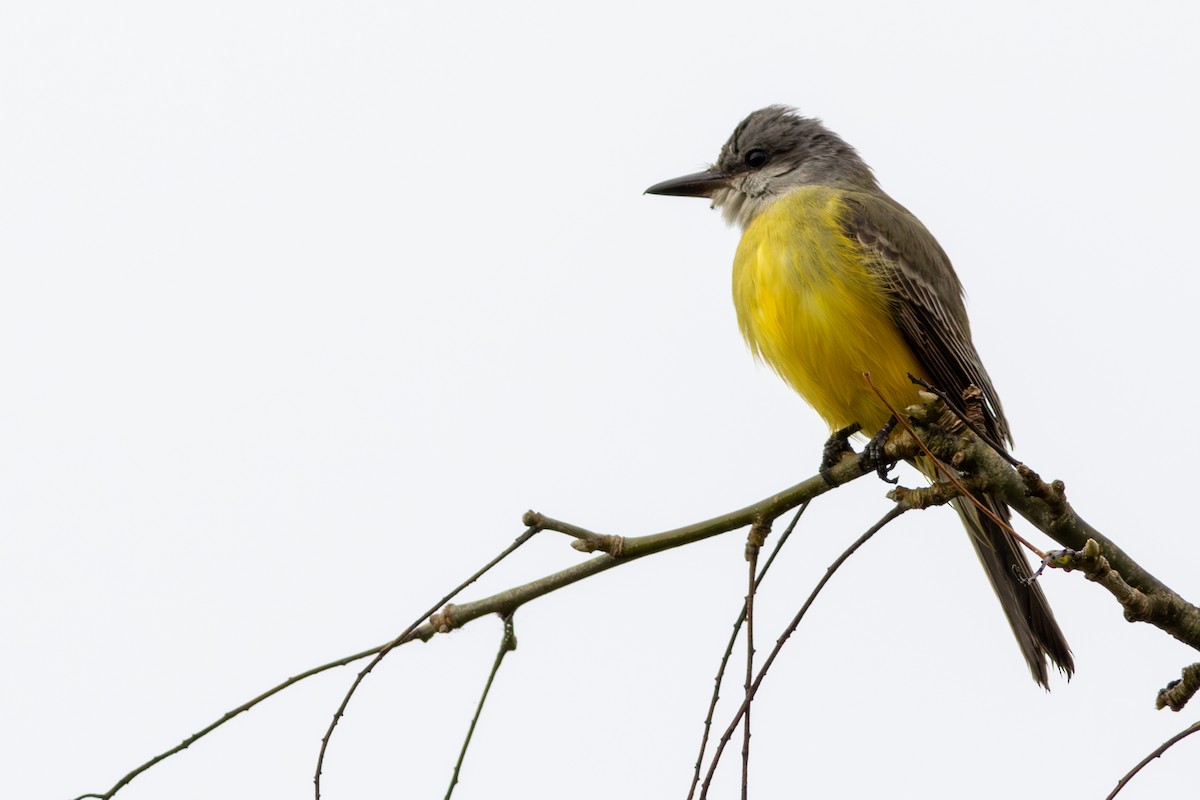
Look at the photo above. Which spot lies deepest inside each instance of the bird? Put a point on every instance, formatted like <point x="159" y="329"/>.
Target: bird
<point x="832" y="278"/>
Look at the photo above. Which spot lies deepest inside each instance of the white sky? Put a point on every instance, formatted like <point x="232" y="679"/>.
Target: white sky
<point x="304" y="304"/>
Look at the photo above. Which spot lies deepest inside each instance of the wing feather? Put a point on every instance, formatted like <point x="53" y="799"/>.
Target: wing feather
<point x="927" y="299"/>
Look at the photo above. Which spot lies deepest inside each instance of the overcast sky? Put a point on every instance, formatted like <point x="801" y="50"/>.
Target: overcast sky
<point x="305" y="303"/>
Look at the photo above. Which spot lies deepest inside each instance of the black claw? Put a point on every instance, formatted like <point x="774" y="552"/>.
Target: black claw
<point x="873" y="456"/>
<point x="835" y="447"/>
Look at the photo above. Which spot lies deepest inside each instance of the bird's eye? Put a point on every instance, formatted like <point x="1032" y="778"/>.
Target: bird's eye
<point x="757" y="159"/>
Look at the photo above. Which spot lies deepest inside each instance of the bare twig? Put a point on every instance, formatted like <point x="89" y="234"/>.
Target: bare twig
<point x="504" y="602"/>
<point x="249" y="704"/>
<point x="401" y="639"/>
<point x="585" y="540"/>
<point x="1158" y="752"/>
<point x="754" y="543"/>
<point x="894" y="512"/>
<point x="379" y="652"/>
<point x="508" y="643"/>
<point x="737" y="627"/>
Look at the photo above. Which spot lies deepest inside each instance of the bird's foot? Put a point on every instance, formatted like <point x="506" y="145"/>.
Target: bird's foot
<point x="873" y="456"/>
<point x="837" y="446"/>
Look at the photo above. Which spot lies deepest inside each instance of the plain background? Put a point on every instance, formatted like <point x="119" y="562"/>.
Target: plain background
<point x="305" y="303"/>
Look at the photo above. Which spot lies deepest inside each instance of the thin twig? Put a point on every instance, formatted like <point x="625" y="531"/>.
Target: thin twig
<point x="894" y="512"/>
<point x="737" y="627"/>
<point x="1158" y="752"/>
<point x="752" y="567"/>
<point x="508" y="643"/>
<point x="403" y="637"/>
<point x="189" y="741"/>
<point x="585" y="541"/>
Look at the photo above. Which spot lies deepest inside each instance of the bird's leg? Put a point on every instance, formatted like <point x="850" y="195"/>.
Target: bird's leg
<point x="835" y="447"/>
<point x="873" y="456"/>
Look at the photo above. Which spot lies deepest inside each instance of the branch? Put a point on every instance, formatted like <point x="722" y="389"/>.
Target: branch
<point x="632" y="548"/>
<point x="1177" y="693"/>
<point x="618" y="551"/>
<point x="934" y="429"/>
<point x="1143" y="597"/>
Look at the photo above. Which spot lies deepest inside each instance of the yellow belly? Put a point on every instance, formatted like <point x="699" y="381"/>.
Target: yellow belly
<point x="809" y="306"/>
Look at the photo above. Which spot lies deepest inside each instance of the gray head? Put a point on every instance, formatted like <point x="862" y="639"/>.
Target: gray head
<point x="772" y="152"/>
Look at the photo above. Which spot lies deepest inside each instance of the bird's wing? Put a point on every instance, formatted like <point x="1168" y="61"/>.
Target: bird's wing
<point x="927" y="298"/>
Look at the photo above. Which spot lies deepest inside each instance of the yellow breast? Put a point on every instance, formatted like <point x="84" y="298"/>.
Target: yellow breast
<point x="811" y="306"/>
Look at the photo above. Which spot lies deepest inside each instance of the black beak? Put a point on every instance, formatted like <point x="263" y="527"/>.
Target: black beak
<point x="700" y="184"/>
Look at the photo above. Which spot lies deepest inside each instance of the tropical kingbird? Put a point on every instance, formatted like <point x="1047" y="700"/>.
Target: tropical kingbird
<point x="832" y="279"/>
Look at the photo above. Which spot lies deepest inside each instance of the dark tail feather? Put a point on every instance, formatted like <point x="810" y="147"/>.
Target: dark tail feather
<point x="1024" y="603"/>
